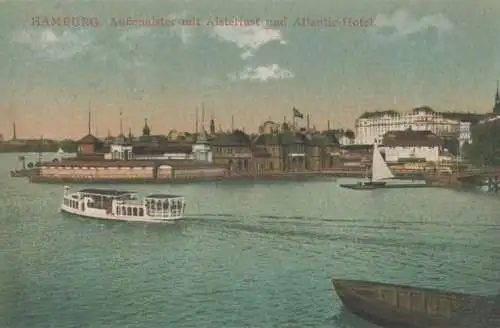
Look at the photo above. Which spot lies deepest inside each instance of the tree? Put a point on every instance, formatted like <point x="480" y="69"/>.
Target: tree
<point x="485" y="146"/>
<point x="349" y="134"/>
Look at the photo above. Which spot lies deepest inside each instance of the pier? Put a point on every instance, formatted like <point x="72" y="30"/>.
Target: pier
<point x="479" y="177"/>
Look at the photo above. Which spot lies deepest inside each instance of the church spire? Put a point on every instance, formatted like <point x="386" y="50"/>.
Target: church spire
<point x="146" y="131"/>
<point x="496" y="109"/>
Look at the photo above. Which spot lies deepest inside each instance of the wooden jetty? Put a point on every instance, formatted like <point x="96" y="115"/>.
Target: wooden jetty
<point x="479" y="177"/>
<point x="389" y="305"/>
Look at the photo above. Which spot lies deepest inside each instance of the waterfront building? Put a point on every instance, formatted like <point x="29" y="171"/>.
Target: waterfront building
<point x="411" y="146"/>
<point x="345" y="140"/>
<point x="372" y="126"/>
<point x="276" y="148"/>
<point x="202" y="152"/>
<point x="89" y="146"/>
<point x="120" y="151"/>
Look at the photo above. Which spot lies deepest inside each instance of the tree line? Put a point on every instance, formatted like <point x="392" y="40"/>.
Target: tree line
<point x="485" y="146"/>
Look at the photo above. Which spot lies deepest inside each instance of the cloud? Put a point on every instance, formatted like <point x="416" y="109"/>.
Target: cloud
<point x="53" y="46"/>
<point x="263" y="73"/>
<point x="184" y="33"/>
<point x="404" y="24"/>
<point x="249" y="38"/>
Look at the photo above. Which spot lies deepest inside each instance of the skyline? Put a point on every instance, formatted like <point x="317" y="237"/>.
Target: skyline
<point x="444" y="56"/>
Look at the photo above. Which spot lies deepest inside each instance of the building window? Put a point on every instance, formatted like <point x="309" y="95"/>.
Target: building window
<point x="135" y="211"/>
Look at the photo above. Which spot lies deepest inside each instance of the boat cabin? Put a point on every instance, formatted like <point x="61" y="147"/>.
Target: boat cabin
<point x="162" y="204"/>
<point x="103" y="198"/>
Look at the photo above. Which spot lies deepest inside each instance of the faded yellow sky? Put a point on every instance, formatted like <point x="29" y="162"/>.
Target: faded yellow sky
<point x="444" y="55"/>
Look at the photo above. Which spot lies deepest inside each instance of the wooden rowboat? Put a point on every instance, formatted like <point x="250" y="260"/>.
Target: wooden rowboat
<point x="400" y="306"/>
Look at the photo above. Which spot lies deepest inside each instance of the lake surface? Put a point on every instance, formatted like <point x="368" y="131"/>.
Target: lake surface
<point x="249" y="254"/>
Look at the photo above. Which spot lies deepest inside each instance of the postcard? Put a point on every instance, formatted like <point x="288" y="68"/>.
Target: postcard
<point x="286" y="163"/>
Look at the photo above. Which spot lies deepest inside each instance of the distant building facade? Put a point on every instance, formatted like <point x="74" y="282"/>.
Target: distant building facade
<point x="411" y="146"/>
<point x="371" y="127"/>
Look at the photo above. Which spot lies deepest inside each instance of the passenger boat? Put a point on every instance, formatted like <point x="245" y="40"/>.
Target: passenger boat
<point x="110" y="204"/>
<point x="400" y="306"/>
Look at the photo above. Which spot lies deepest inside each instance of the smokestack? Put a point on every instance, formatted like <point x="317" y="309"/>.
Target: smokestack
<point x="121" y="122"/>
<point x="14" y="135"/>
<point x="232" y="123"/>
<point x="307" y="117"/>
<point x="196" y="121"/>
<point x="203" y="116"/>
<point x="89" y="119"/>
<point x="328" y="125"/>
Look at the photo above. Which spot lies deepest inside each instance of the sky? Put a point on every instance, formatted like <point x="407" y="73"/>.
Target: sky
<point x="407" y="53"/>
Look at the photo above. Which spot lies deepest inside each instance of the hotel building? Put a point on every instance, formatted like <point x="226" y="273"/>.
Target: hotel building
<point x="372" y="126"/>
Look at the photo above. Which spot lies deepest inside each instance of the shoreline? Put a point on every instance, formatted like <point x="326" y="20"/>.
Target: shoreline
<point x="290" y="176"/>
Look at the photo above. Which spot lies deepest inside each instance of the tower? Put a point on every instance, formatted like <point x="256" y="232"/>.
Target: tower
<point x="212" y="126"/>
<point x="146" y="131"/>
<point x="496" y="109"/>
<point x="14" y="135"/>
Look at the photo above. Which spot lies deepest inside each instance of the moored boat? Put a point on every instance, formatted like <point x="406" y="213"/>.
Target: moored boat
<point x="111" y="204"/>
<point x="380" y="171"/>
<point x="391" y="305"/>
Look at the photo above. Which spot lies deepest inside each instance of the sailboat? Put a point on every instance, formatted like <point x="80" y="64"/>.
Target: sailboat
<point x="380" y="172"/>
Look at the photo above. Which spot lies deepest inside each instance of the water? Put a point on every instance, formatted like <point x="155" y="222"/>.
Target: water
<point x="250" y="255"/>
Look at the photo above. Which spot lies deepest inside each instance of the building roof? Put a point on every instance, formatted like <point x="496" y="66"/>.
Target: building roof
<point x="236" y="139"/>
<point x="411" y="138"/>
<point x="106" y="192"/>
<point x="377" y="114"/>
<point x="163" y="196"/>
<point x="89" y="139"/>
<point x="260" y="152"/>
<point x="472" y="118"/>
<point x="171" y="148"/>
<point x="425" y="109"/>
<point x="102" y="163"/>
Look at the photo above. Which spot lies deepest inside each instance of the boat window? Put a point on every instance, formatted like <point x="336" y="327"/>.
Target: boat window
<point x="418" y="302"/>
<point x="445" y="307"/>
<point x="141" y="211"/>
<point x="135" y="211"/>
<point x="165" y="206"/>
<point x="432" y="304"/>
<point x="129" y="211"/>
<point x="389" y="296"/>
<point x="404" y="300"/>
<point x="83" y="207"/>
<point x="123" y="210"/>
<point x="158" y="205"/>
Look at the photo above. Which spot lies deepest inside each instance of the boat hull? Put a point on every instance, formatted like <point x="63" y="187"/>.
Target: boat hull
<point x="358" y="186"/>
<point x="103" y="215"/>
<point x="416" y="307"/>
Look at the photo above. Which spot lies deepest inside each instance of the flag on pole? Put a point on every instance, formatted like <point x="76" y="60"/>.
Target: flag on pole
<point x="296" y="113"/>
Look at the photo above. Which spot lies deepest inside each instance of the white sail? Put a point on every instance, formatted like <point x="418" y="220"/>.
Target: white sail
<point x="380" y="170"/>
<point x="60" y="151"/>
